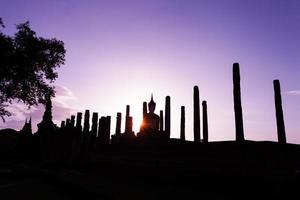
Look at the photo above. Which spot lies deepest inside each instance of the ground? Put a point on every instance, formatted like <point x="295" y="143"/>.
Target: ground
<point x="218" y="170"/>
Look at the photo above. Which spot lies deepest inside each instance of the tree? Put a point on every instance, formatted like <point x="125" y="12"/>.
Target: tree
<point x="27" y="67"/>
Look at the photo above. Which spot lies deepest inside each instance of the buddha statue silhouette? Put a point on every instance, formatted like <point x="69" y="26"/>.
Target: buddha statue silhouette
<point x="150" y="122"/>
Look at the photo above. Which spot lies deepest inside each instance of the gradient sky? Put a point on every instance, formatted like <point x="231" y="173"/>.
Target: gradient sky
<point x="119" y="52"/>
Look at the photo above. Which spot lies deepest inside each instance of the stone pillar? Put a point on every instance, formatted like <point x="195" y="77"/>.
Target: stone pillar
<point x="129" y="125"/>
<point x="127" y="119"/>
<point x="161" y="121"/>
<point x="78" y="121"/>
<point x="94" y="124"/>
<point x="93" y="135"/>
<point x="72" y="123"/>
<point x="239" y="129"/>
<point x="182" y="124"/>
<point x="100" y="128"/>
<point x="86" y="125"/>
<point x="279" y="113"/>
<point x="68" y="122"/>
<point x="127" y="110"/>
<point x="63" y="124"/>
<point x="144" y="109"/>
<point x="104" y="130"/>
<point x="205" y="122"/>
<point x="86" y="138"/>
<point x="197" y="136"/>
<point x="118" y="123"/>
<point x="107" y="134"/>
<point x="77" y="148"/>
<point x="168" y="117"/>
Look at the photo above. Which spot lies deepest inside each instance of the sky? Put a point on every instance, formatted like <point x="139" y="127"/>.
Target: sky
<point x="119" y="52"/>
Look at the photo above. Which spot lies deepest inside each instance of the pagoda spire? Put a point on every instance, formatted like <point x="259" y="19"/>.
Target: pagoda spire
<point x="47" y="124"/>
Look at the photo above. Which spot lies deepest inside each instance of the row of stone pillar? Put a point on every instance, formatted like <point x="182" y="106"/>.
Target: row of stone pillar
<point x="197" y="136"/>
<point x="239" y="130"/>
<point x="104" y="122"/>
<point x="99" y="129"/>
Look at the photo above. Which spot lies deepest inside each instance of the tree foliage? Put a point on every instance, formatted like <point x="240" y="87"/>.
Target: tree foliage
<point x="28" y="66"/>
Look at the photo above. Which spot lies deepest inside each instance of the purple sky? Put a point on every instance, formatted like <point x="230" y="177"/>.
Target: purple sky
<point x="119" y="52"/>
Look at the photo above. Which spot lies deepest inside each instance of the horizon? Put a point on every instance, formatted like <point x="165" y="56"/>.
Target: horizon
<point x="141" y="47"/>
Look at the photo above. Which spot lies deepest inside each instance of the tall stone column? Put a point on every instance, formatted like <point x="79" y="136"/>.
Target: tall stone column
<point x="77" y="149"/>
<point x="279" y="113"/>
<point x="130" y="124"/>
<point x="161" y="121"/>
<point x="127" y="110"/>
<point x="94" y="123"/>
<point x="182" y="124"/>
<point x="239" y="129"/>
<point x="101" y="128"/>
<point x="127" y="119"/>
<point x="197" y="136"/>
<point x="78" y="121"/>
<point x="72" y="123"/>
<point x="168" y="117"/>
<point x="68" y="123"/>
<point x="104" y="130"/>
<point x="93" y="135"/>
<point x="86" y="140"/>
<point x="107" y="135"/>
<point x="86" y="124"/>
<point x="205" y="122"/>
<point x="144" y="109"/>
<point x="118" y="123"/>
<point x="63" y="124"/>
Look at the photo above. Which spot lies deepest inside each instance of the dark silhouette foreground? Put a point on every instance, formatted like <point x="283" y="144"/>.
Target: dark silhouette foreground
<point x="86" y="162"/>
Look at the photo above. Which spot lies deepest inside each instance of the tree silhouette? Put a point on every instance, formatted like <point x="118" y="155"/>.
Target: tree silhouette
<point x="27" y="67"/>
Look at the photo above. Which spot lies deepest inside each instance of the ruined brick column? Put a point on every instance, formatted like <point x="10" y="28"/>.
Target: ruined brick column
<point x="130" y="123"/>
<point x="161" y="121"/>
<point x="100" y="129"/>
<point x="182" y="124"/>
<point x="78" y="121"/>
<point x="279" y="113"/>
<point x="93" y="135"/>
<point x="118" y="123"/>
<point x="63" y="124"/>
<point x="127" y="110"/>
<point x="94" y="124"/>
<point x="197" y="136"/>
<point x="86" y="124"/>
<point x="205" y="122"/>
<point x="76" y="149"/>
<point x="72" y="123"/>
<point x="127" y="123"/>
<point x="107" y="133"/>
<point x="68" y="123"/>
<point x="86" y="140"/>
<point x="104" y="130"/>
<point x="239" y="129"/>
<point x="168" y="117"/>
